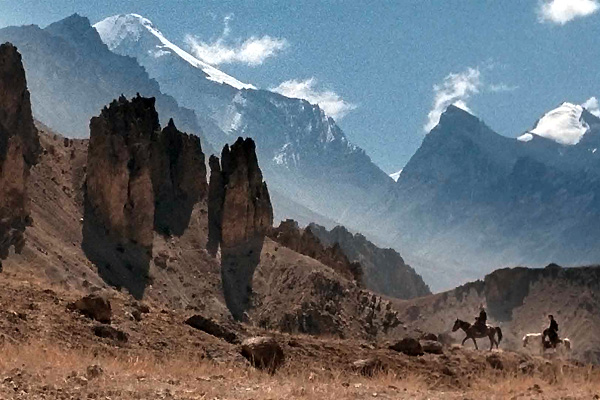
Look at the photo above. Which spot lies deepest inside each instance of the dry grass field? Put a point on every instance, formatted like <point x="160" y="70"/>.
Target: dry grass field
<point x="46" y="371"/>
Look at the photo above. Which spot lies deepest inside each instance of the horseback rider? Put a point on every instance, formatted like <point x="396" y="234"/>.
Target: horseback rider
<point x="551" y="332"/>
<point x="481" y="321"/>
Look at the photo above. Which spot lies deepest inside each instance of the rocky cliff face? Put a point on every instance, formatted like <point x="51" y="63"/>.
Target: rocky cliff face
<point x="178" y="178"/>
<point x="304" y="241"/>
<point x="384" y="270"/>
<point x="19" y="149"/>
<point x="119" y="174"/>
<point x="240" y="204"/>
<point x="139" y="180"/>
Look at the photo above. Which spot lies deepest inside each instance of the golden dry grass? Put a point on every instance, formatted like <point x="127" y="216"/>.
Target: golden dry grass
<point x="42" y="370"/>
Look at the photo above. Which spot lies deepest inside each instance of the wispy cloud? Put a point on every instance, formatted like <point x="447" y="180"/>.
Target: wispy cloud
<point x="455" y="89"/>
<point x="563" y="11"/>
<point x="252" y="51"/>
<point x="329" y="101"/>
<point x="592" y="106"/>
<point x="458" y="88"/>
<point x="501" y="87"/>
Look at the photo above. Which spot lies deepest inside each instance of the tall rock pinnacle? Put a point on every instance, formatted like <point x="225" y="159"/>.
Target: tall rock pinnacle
<point x="19" y="149"/>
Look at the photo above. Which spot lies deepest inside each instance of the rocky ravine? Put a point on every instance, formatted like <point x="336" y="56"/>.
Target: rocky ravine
<point x="19" y="150"/>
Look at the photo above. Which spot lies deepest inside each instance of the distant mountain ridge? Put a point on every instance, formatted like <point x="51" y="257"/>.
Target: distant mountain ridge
<point x="471" y="200"/>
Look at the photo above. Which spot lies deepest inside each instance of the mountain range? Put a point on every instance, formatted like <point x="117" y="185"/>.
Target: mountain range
<point x="470" y="198"/>
<point x="468" y="201"/>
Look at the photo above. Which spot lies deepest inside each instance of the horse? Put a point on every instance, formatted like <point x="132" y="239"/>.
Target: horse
<point x="536" y="340"/>
<point x="475" y="332"/>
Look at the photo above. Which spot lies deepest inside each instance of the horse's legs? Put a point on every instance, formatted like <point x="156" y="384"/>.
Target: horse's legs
<point x="464" y="340"/>
<point x="476" y="348"/>
<point x="492" y="341"/>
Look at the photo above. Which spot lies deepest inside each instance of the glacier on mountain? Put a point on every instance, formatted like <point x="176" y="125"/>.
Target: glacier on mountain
<point x="124" y="28"/>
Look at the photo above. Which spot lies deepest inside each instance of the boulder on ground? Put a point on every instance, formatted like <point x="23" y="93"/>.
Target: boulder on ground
<point x="263" y="353"/>
<point x="108" y="332"/>
<point x="431" y="346"/>
<point x="213" y="328"/>
<point x="408" y="346"/>
<point x="95" y="306"/>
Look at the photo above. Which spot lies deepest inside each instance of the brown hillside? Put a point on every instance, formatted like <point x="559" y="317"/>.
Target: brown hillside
<point x="519" y="300"/>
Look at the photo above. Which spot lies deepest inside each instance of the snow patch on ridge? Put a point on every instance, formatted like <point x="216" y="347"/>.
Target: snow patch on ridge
<point x="563" y="125"/>
<point x="114" y="30"/>
<point x="525" y="137"/>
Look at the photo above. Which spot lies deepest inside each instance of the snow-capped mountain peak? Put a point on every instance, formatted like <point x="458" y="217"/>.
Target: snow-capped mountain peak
<point x="130" y="28"/>
<point x="564" y="125"/>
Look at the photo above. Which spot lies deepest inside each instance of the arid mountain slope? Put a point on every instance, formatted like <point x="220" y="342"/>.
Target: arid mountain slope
<point x="519" y="300"/>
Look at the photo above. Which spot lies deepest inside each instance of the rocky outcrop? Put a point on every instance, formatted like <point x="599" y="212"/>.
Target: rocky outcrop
<point x="239" y="203"/>
<point x="119" y="188"/>
<point x="140" y="180"/>
<point x="19" y="149"/>
<point x="384" y="270"/>
<point x="304" y="241"/>
<point x="178" y="178"/>
<point x="239" y="215"/>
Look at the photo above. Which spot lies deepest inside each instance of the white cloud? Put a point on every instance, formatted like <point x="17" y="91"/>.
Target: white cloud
<point x="592" y="106"/>
<point x="563" y="11"/>
<point x="456" y="89"/>
<point x="502" y="87"/>
<point x="329" y="101"/>
<point x="252" y="51"/>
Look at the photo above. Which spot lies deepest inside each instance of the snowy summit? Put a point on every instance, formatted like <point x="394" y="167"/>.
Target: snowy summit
<point x="564" y="125"/>
<point x="128" y="28"/>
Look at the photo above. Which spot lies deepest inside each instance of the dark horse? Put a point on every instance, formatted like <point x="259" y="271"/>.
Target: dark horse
<point x="474" y="331"/>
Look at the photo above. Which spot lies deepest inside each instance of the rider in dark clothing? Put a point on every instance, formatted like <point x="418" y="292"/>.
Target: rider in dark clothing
<point x="482" y="316"/>
<point x="481" y="321"/>
<point x="551" y="332"/>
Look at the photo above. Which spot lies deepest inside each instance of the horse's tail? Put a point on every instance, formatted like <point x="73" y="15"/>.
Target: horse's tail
<point x="499" y="332"/>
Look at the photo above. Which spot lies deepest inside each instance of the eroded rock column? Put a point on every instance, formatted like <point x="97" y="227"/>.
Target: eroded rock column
<point x="19" y="150"/>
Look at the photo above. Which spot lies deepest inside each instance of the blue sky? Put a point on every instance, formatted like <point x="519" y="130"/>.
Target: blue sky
<point x="382" y="67"/>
